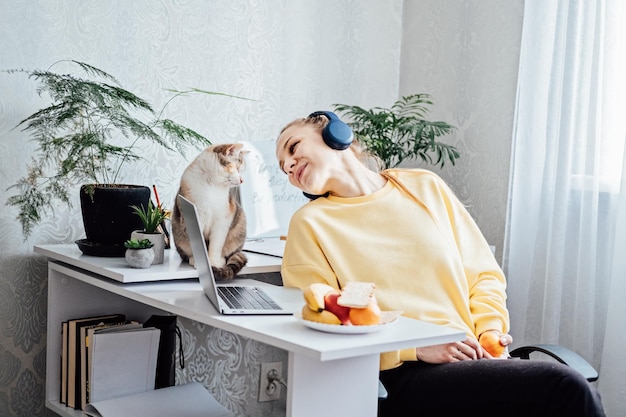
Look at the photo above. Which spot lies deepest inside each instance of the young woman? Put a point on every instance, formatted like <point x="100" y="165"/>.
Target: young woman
<point x="405" y="230"/>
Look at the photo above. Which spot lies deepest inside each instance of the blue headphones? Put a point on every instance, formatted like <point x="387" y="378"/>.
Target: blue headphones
<point x="336" y="134"/>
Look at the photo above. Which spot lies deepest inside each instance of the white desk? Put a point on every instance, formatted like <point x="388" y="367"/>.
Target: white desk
<point x="172" y="267"/>
<point x="322" y="366"/>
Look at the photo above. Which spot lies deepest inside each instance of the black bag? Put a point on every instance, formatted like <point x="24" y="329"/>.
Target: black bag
<point x="166" y="358"/>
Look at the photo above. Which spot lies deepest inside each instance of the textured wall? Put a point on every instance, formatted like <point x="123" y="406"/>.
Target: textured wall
<point x="291" y="56"/>
<point x="465" y="53"/>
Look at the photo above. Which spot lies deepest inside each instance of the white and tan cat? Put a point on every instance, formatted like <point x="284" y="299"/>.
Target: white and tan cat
<point x="209" y="182"/>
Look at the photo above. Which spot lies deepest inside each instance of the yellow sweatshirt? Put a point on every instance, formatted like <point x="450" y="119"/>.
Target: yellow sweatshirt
<point x="413" y="239"/>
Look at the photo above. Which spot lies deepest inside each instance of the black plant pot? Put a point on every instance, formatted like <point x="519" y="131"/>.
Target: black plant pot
<point x="108" y="217"/>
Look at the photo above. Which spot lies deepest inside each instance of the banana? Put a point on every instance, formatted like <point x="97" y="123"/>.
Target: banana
<point x="314" y="295"/>
<point x="323" y="316"/>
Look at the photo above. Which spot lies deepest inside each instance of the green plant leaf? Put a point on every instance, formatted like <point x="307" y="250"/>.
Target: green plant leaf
<point x="151" y="217"/>
<point x="138" y="244"/>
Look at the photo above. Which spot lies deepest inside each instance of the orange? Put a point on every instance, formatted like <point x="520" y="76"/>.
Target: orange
<point x="490" y="341"/>
<point x="366" y="316"/>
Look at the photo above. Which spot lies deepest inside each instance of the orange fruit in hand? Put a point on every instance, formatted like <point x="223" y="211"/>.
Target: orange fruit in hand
<point x="490" y="341"/>
<point x="366" y="316"/>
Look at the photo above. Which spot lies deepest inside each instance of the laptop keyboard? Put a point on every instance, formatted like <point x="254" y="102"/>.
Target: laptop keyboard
<point x="249" y="298"/>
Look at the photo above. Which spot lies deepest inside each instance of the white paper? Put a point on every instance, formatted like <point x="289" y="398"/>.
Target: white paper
<point x="273" y="246"/>
<point x="267" y="197"/>
<point x="123" y="362"/>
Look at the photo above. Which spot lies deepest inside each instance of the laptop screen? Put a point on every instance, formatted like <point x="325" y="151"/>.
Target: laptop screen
<point x="199" y="250"/>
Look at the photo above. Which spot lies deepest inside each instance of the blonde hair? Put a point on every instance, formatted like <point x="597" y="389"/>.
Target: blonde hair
<point x="319" y="122"/>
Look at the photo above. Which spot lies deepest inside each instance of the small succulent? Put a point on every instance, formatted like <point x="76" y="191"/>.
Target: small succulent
<point x="151" y="217"/>
<point x="138" y="244"/>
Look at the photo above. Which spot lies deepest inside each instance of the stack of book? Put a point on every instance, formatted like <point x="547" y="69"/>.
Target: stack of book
<point x="100" y="352"/>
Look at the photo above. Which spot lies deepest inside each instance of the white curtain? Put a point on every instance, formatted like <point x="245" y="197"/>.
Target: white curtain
<point x="565" y="250"/>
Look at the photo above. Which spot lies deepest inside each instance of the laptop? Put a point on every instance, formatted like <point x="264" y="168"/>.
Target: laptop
<point x="228" y="298"/>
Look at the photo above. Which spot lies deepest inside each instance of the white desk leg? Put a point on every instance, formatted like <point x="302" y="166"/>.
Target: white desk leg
<point x="344" y="387"/>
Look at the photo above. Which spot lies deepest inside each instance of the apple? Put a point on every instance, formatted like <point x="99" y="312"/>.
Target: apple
<point x="490" y="341"/>
<point x="342" y="313"/>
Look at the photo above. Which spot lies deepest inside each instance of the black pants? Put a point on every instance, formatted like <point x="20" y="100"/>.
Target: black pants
<point x="508" y="388"/>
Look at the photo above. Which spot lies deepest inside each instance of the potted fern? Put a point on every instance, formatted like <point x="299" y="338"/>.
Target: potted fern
<point x="401" y="132"/>
<point x="152" y="219"/>
<point x="88" y="133"/>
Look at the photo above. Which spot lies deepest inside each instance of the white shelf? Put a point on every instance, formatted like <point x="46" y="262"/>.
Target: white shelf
<point x="69" y="298"/>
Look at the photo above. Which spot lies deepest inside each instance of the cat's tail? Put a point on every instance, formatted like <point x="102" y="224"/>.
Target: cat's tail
<point x="234" y="264"/>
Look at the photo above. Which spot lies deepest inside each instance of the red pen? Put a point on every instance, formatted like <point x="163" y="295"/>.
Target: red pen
<point x="156" y="195"/>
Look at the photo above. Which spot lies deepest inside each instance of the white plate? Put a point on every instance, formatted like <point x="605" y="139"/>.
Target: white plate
<point x="340" y="329"/>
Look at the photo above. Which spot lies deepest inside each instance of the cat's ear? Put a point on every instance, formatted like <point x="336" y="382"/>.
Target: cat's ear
<point x="226" y="149"/>
<point x="234" y="149"/>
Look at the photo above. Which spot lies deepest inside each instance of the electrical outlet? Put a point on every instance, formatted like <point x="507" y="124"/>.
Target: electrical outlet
<point x="269" y="384"/>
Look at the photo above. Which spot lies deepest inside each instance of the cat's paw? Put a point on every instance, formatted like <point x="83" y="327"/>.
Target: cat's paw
<point x="237" y="261"/>
<point x="191" y="261"/>
<point x="223" y="274"/>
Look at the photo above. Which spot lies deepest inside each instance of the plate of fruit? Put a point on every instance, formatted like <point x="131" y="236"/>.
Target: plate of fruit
<point x="353" y="310"/>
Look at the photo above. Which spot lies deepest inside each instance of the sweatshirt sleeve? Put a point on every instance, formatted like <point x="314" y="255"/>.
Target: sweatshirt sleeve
<point x="485" y="279"/>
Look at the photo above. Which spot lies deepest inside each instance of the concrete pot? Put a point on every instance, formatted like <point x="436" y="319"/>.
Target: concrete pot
<point x="139" y="258"/>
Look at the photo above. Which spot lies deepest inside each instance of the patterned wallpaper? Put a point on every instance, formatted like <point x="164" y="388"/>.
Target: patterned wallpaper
<point x="465" y="53"/>
<point x="290" y="57"/>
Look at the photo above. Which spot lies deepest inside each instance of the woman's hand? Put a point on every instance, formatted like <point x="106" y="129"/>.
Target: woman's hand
<point x="465" y="350"/>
